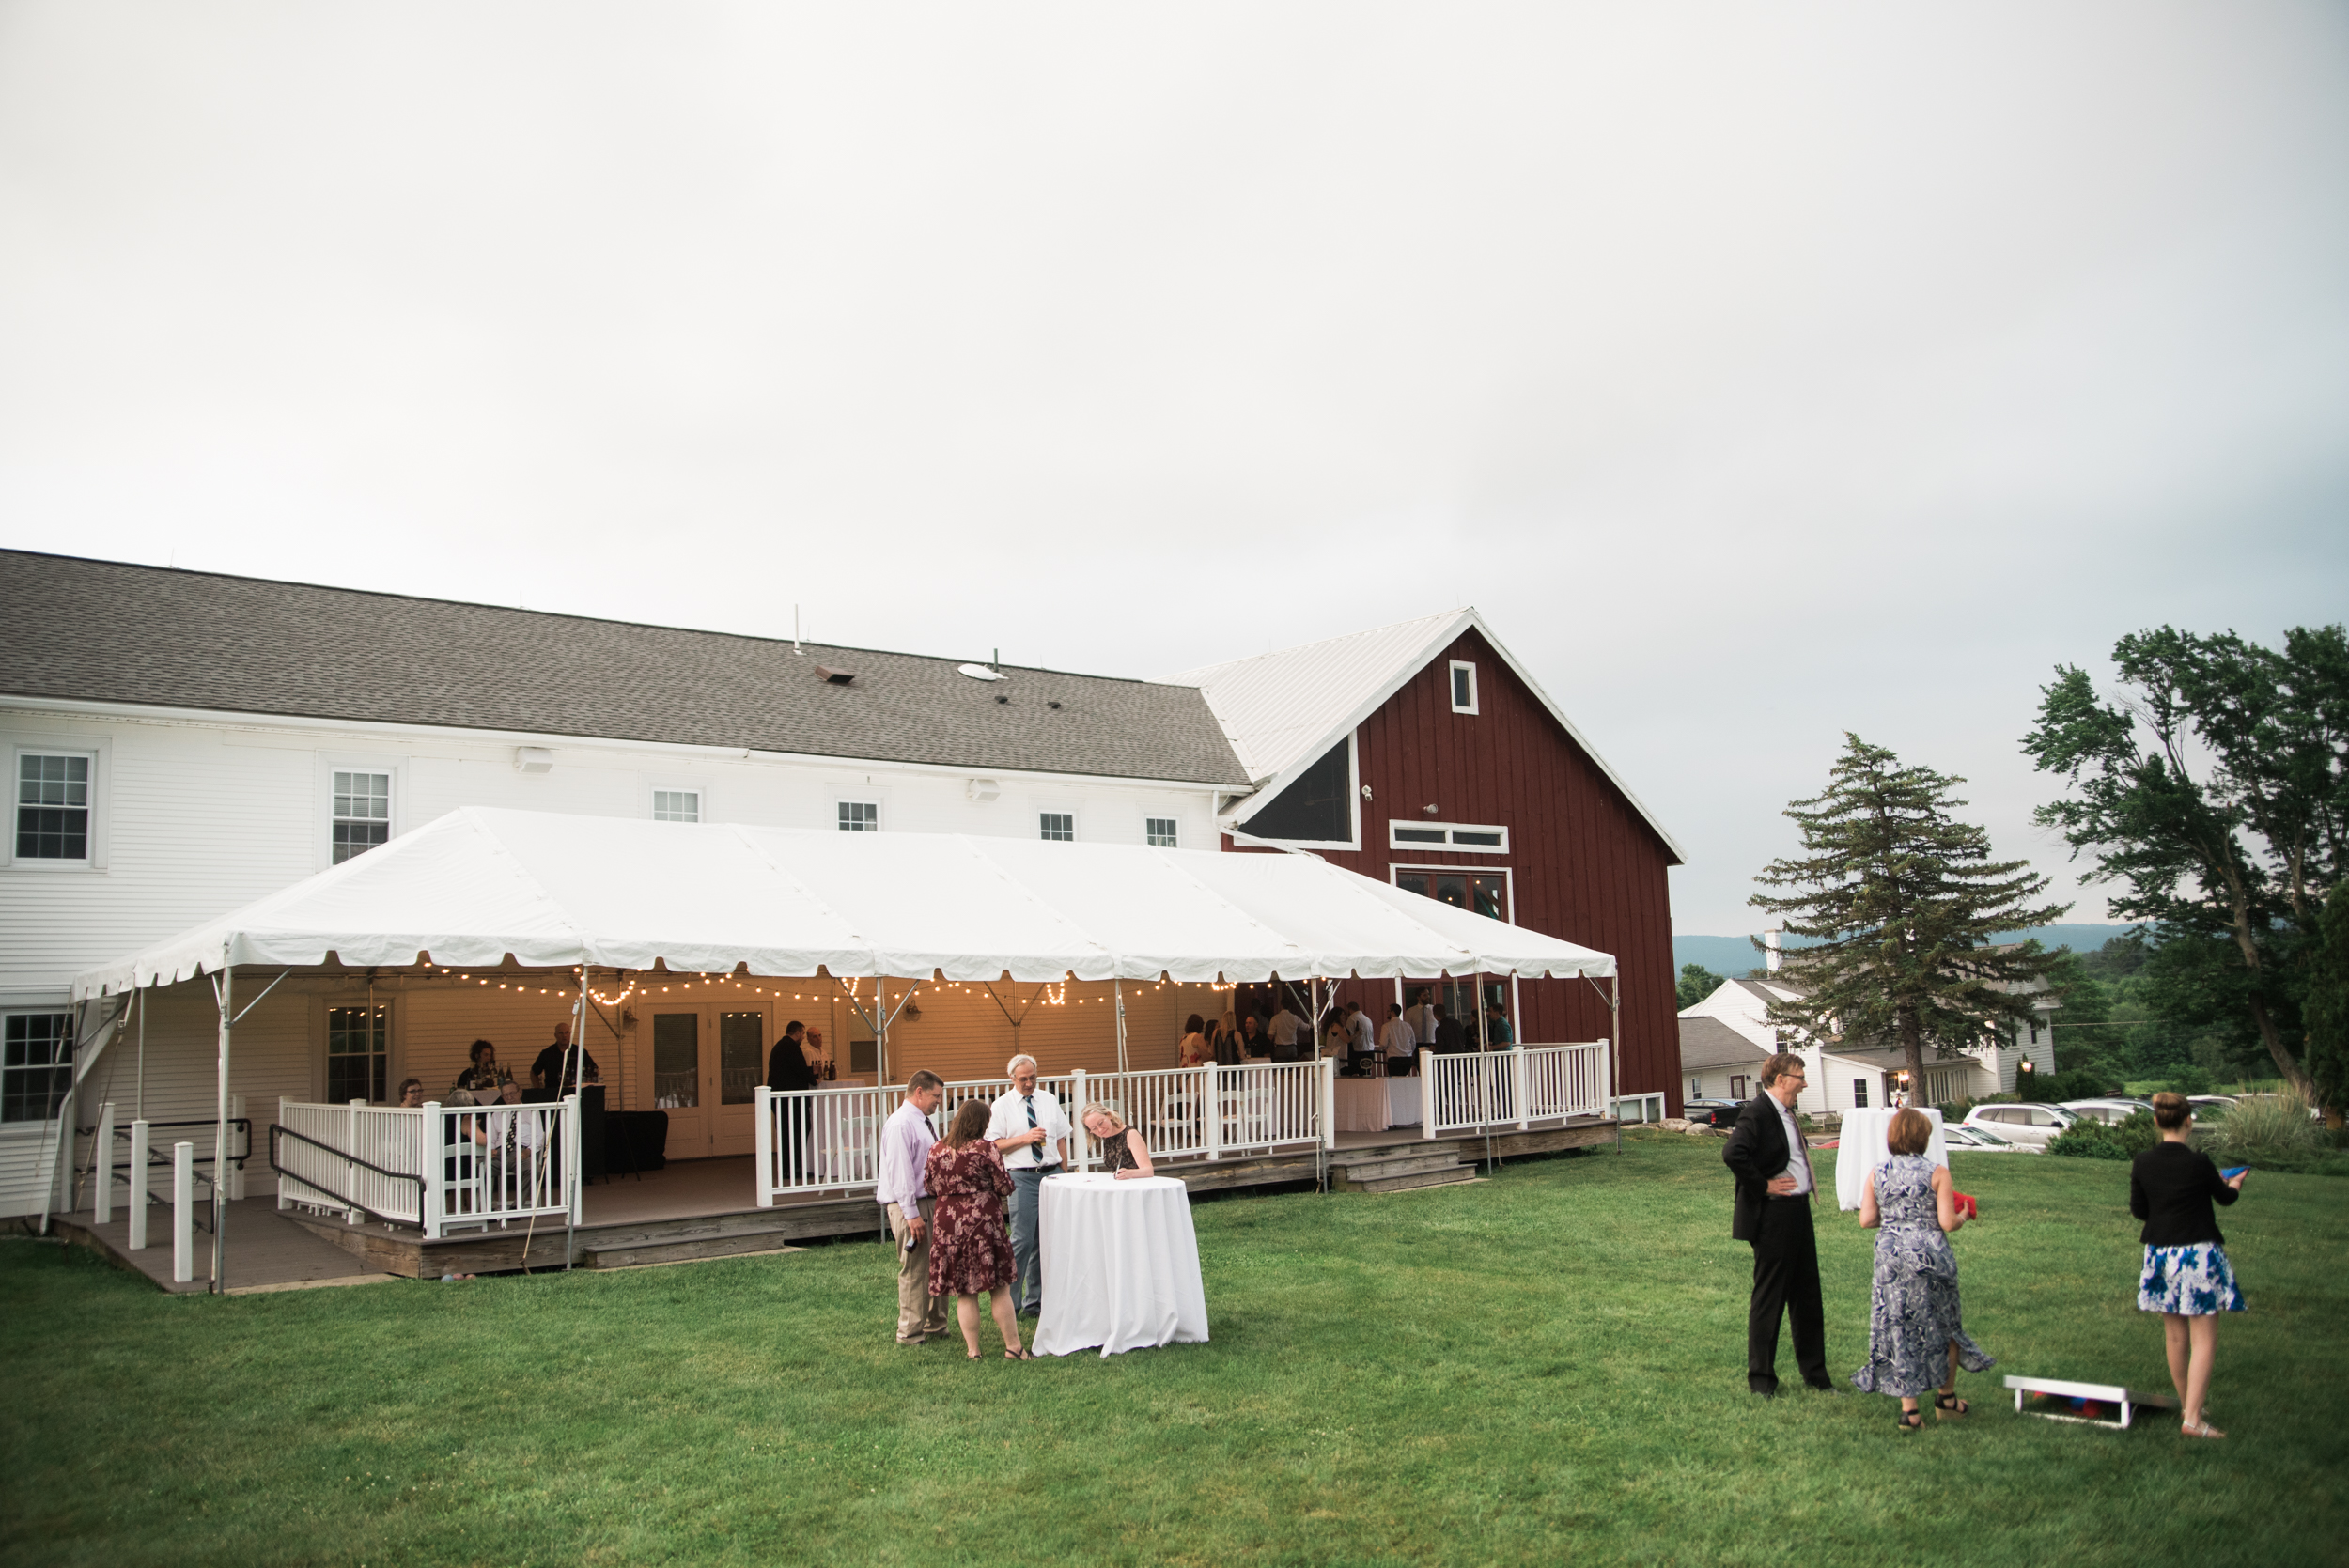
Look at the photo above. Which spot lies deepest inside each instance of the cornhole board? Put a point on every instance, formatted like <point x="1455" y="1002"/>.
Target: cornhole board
<point x="2127" y="1401"/>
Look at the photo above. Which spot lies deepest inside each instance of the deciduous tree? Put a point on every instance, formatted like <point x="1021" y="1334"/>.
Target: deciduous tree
<point x="1902" y="900"/>
<point x="2215" y="794"/>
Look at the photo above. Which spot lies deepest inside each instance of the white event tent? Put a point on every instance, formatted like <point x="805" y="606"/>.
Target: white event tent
<point x="606" y="892"/>
<point x="554" y="890"/>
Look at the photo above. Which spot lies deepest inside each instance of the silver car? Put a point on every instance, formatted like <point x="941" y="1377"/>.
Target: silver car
<point x="2110" y="1112"/>
<point x="2034" y="1127"/>
<point x="1962" y="1137"/>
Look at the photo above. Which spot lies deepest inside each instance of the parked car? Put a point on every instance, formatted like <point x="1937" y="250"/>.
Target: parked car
<point x="1713" y="1113"/>
<point x="2209" y="1107"/>
<point x="1962" y="1137"/>
<point x="2034" y="1127"/>
<point x="2110" y="1111"/>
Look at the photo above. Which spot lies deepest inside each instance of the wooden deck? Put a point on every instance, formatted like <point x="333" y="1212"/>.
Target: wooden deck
<point x="266" y="1251"/>
<point x="706" y="1208"/>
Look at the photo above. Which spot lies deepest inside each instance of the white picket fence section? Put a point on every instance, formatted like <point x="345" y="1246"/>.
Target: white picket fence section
<point x="1488" y="1091"/>
<point x="814" y="1141"/>
<point x="439" y="1168"/>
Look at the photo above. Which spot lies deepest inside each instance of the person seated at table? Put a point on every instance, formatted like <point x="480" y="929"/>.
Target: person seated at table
<point x="970" y="1251"/>
<point x="410" y="1093"/>
<point x="1254" y="1044"/>
<point x="1125" y="1153"/>
<point x="484" y="1073"/>
<point x="1195" y="1050"/>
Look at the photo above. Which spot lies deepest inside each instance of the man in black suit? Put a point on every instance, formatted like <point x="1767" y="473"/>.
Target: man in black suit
<point x="787" y="1070"/>
<point x="1771" y="1160"/>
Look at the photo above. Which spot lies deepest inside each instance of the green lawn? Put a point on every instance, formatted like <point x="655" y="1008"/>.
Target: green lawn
<point x="1545" y="1367"/>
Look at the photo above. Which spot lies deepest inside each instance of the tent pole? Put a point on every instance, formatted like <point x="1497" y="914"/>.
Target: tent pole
<point x="1118" y="992"/>
<point x="228" y="998"/>
<point x="1614" y="1054"/>
<point x="578" y="1042"/>
<point x="880" y="1030"/>
<point x="139" y="1113"/>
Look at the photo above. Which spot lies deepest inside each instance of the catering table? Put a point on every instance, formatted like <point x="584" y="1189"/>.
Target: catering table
<point x="1860" y="1148"/>
<point x="1121" y="1264"/>
<point x="1376" y="1104"/>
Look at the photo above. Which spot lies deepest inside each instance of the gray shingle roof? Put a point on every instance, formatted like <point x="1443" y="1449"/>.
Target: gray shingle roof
<point x="109" y="632"/>
<point x="1710" y="1043"/>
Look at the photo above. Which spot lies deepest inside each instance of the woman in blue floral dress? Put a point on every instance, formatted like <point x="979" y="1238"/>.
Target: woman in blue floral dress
<point x="2186" y="1277"/>
<point x="1916" y="1339"/>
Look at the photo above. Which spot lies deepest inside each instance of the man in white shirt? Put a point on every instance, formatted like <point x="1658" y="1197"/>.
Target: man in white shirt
<point x="1365" y="1033"/>
<point x="1283" y="1026"/>
<point x="1399" y="1040"/>
<point x="1420" y="1018"/>
<point x="904" y="1195"/>
<point x="1031" y="1131"/>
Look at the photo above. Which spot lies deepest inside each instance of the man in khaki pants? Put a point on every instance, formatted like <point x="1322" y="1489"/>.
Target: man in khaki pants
<point x="905" y="1198"/>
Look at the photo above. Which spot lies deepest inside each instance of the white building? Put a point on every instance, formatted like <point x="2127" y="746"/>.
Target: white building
<point x="1841" y="1076"/>
<point x="181" y="743"/>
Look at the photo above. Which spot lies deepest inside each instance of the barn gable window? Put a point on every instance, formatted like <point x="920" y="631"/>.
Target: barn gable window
<point x="860" y="817"/>
<point x="677" y="805"/>
<point x="1317" y="807"/>
<point x="1058" y="826"/>
<point x="1463" y="686"/>
<point x="1159" y="832"/>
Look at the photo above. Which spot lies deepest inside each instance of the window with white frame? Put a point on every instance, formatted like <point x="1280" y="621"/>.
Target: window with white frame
<point x="1859" y="1094"/>
<point x="1473" y="838"/>
<point x="52" y="806"/>
<point x="860" y="817"/>
<point x="1159" y="832"/>
<point x="36" y="1065"/>
<point x="677" y="805"/>
<point x="1463" y="687"/>
<point x="357" y="1053"/>
<point x="362" y="813"/>
<point x="1057" y="825"/>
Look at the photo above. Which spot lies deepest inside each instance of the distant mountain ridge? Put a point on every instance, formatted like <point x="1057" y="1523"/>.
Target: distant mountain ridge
<point x="1731" y="956"/>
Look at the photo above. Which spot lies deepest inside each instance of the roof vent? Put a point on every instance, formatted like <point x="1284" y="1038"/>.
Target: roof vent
<point x="837" y="677"/>
<point x="533" y="759"/>
<point x="979" y="671"/>
<point x="1053" y="705"/>
<point x="984" y="789"/>
<point x="1001" y="698"/>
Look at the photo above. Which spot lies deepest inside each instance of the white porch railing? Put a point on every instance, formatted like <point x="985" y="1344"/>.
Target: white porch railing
<point x="1487" y="1090"/>
<point x="439" y="1168"/>
<point x="814" y="1141"/>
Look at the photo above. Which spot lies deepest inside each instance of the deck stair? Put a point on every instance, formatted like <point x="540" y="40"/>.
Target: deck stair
<point x="1401" y="1169"/>
<point x="717" y="1235"/>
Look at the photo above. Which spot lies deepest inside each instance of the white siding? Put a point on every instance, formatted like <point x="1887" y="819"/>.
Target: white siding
<point x="203" y="814"/>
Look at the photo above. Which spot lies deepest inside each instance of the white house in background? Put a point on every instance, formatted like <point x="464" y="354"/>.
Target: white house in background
<point x="1717" y="1063"/>
<point x="180" y="743"/>
<point x="1845" y="1077"/>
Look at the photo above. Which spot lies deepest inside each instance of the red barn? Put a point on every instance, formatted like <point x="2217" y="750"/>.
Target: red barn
<point x="1425" y="754"/>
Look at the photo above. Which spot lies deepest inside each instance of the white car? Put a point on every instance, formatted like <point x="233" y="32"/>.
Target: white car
<point x="2034" y="1127"/>
<point x="1962" y="1137"/>
<point x="2111" y="1112"/>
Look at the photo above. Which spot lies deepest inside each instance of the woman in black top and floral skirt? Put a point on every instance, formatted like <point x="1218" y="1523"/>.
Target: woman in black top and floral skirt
<point x="2186" y="1277"/>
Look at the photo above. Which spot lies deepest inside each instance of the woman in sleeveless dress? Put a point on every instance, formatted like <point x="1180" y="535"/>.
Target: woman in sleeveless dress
<point x="1914" y="1328"/>
<point x="970" y="1251"/>
<point x="1125" y="1153"/>
<point x="1195" y="1050"/>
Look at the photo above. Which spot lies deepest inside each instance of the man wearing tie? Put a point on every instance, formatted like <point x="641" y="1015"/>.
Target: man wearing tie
<point x="1031" y="1131"/>
<point x="1772" y="1210"/>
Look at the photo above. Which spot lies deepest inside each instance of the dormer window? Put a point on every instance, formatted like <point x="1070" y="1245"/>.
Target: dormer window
<point x="1463" y="687"/>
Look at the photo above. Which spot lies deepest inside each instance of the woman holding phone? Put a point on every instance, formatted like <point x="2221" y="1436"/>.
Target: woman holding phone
<point x="2186" y="1277"/>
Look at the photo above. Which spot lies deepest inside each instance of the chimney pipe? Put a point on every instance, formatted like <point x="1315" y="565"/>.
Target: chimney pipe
<point x="1772" y="958"/>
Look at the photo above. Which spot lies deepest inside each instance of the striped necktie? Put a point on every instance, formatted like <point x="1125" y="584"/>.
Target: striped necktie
<point x="1035" y="1149"/>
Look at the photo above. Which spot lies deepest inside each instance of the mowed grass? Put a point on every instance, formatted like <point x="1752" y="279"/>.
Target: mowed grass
<point x="1545" y="1367"/>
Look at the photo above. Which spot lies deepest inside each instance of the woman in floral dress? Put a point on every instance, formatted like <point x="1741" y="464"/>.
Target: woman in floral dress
<point x="1914" y="1328"/>
<point x="970" y="1248"/>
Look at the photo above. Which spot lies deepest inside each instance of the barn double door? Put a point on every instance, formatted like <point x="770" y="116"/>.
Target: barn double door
<point x="707" y="1064"/>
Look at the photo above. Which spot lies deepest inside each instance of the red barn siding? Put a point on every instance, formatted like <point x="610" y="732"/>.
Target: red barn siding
<point x="1584" y="865"/>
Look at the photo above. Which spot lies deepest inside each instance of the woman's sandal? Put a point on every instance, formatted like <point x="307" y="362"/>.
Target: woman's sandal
<point x="1018" y="1355"/>
<point x="1911" y="1421"/>
<point x="2200" y="1429"/>
<point x="1948" y="1405"/>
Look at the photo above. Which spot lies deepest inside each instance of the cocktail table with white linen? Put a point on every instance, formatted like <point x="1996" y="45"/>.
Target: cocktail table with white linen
<point x="1121" y="1264"/>
<point x="1861" y="1147"/>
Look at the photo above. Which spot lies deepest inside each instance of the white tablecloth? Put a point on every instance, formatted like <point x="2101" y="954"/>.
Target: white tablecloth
<point x="1121" y="1264"/>
<point x="1860" y="1148"/>
<point x="1403" y="1102"/>
<point x="1362" y="1103"/>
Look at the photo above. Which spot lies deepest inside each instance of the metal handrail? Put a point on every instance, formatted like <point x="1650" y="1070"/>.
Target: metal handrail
<point x="275" y="1132"/>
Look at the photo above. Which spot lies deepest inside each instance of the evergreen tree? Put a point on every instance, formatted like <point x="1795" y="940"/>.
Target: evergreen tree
<point x="1696" y="984"/>
<point x="1902" y="900"/>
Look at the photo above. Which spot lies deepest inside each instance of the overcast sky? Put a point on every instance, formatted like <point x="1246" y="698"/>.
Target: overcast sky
<point x="1761" y="372"/>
